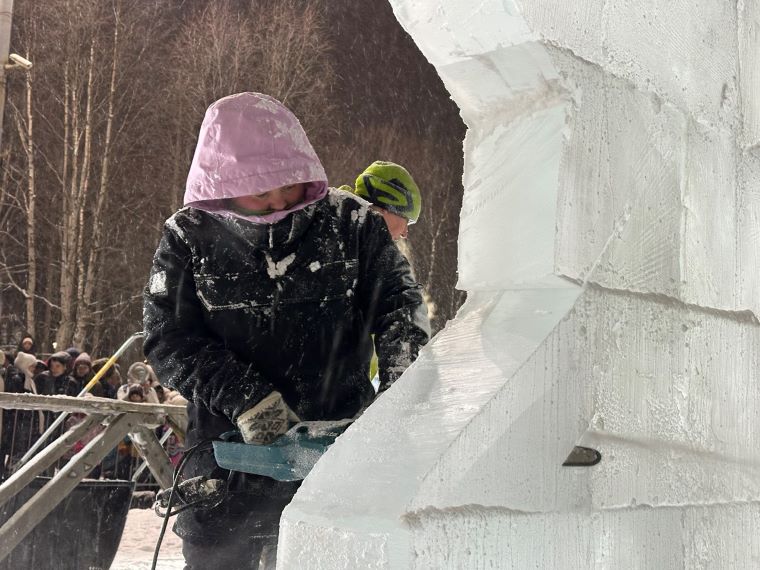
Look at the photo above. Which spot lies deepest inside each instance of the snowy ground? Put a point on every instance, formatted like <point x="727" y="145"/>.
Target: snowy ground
<point x="139" y="540"/>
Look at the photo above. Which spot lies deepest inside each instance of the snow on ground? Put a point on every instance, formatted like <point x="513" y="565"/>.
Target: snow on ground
<point x="139" y="540"/>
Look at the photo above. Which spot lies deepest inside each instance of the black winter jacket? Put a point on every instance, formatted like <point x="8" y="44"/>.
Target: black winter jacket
<point x="235" y="310"/>
<point x="49" y="385"/>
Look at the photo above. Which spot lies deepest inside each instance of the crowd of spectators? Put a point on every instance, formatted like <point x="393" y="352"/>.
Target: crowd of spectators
<point x="68" y="373"/>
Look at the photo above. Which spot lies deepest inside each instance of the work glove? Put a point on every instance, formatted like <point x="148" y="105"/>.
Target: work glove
<point x="266" y="421"/>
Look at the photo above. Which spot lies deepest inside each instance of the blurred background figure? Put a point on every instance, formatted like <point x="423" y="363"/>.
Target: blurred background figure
<point x="82" y="370"/>
<point x="26" y="344"/>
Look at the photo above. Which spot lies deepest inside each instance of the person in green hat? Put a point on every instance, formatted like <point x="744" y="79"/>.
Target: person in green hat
<point x="393" y="193"/>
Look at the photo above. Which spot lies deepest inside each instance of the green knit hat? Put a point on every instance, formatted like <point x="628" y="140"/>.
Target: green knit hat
<point x="391" y="187"/>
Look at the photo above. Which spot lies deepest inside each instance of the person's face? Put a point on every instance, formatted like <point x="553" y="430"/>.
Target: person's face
<point x="27" y="343"/>
<point x="276" y="200"/>
<point x="398" y="226"/>
<point x="56" y="368"/>
<point x="82" y="369"/>
<point x="135" y="398"/>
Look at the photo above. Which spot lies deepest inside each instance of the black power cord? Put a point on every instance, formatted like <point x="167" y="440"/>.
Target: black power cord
<point x="176" y="492"/>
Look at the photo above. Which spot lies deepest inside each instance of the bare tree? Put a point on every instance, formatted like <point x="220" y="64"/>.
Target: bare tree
<point x="106" y="124"/>
<point x="77" y="105"/>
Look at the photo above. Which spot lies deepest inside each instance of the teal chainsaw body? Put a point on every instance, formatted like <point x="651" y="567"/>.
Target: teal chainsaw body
<point x="289" y="458"/>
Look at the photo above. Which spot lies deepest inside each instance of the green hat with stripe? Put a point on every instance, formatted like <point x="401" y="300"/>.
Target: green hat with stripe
<point x="390" y="186"/>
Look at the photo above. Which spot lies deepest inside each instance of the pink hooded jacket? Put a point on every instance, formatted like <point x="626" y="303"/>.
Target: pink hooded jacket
<point x="250" y="143"/>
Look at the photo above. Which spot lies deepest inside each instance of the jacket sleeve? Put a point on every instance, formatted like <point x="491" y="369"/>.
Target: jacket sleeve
<point x="184" y="354"/>
<point x="396" y="311"/>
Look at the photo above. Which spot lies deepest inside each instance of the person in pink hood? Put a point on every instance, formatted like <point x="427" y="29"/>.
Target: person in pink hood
<point x="265" y="291"/>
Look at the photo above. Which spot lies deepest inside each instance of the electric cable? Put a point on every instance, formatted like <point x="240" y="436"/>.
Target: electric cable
<point x="177" y="475"/>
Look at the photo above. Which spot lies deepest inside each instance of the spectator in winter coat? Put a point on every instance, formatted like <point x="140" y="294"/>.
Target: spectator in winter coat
<point x="40" y="367"/>
<point x="22" y="426"/>
<point x="139" y="374"/>
<point x="135" y="393"/>
<point x="27" y="364"/>
<point x="26" y="344"/>
<point x="109" y="383"/>
<point x="264" y="293"/>
<point x="142" y="373"/>
<point x="56" y="381"/>
<point x="73" y="353"/>
<point x="82" y="372"/>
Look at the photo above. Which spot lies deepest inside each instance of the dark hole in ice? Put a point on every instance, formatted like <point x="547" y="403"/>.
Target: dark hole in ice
<point x="582" y="457"/>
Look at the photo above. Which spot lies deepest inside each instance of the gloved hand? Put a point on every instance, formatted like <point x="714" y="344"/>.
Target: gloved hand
<point x="266" y="421"/>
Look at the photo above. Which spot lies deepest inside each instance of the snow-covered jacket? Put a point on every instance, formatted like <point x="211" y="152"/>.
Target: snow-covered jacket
<point x="239" y="306"/>
<point x="235" y="310"/>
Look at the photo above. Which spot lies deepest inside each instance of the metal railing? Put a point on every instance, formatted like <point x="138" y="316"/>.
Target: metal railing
<point x="104" y="424"/>
<point x="21" y="431"/>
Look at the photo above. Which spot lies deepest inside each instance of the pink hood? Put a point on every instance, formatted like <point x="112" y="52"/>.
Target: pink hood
<point x="250" y="143"/>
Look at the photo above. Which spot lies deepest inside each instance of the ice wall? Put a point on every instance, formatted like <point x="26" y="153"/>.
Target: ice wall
<point x="610" y="247"/>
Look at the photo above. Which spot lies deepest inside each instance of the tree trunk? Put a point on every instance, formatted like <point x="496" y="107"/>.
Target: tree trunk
<point x="69" y="229"/>
<point x="47" y="322"/>
<point x="93" y="263"/>
<point x="31" y="235"/>
<point x="82" y="307"/>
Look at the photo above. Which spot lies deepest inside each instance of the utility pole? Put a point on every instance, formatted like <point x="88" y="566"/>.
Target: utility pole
<point x="6" y="17"/>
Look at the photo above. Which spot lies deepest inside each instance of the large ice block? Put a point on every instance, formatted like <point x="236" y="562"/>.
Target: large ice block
<point x="610" y="246"/>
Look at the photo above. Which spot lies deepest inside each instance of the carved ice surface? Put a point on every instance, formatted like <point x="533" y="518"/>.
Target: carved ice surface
<point x="610" y="246"/>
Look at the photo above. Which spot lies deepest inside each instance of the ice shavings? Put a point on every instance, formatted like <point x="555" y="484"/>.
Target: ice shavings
<point x="171" y="223"/>
<point x="337" y="199"/>
<point x="278" y="268"/>
<point x="157" y="284"/>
